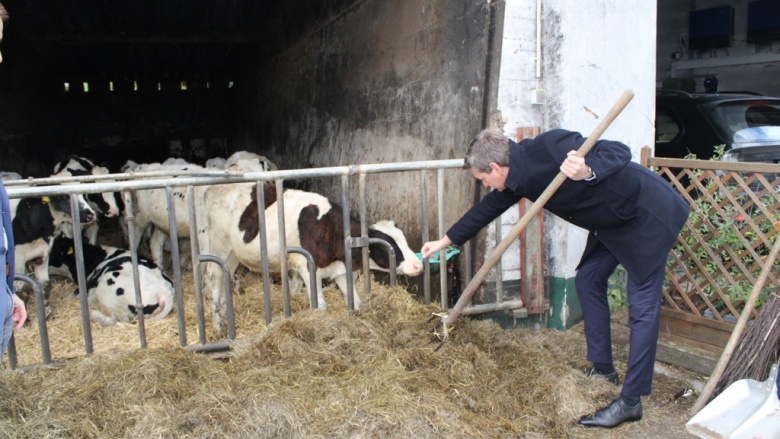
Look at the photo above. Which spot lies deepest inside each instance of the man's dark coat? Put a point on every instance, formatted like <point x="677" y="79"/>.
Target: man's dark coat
<point x="631" y="210"/>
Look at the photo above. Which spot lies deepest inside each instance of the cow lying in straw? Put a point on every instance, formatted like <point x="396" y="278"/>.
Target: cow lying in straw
<point x="110" y="286"/>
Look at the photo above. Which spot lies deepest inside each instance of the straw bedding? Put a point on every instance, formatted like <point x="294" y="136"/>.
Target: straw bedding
<point x="316" y="374"/>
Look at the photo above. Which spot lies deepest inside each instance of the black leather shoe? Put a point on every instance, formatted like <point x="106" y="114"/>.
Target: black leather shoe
<point x="613" y="377"/>
<point x="616" y="413"/>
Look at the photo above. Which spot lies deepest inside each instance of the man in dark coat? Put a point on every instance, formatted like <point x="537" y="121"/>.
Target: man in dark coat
<point x="633" y="218"/>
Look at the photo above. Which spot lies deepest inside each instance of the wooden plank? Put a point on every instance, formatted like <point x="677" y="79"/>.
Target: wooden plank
<point x="714" y="165"/>
<point x="674" y="351"/>
<point x="702" y="330"/>
<point x="711" y="323"/>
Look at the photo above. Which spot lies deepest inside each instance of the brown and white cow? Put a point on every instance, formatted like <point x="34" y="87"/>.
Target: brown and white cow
<point x="311" y="221"/>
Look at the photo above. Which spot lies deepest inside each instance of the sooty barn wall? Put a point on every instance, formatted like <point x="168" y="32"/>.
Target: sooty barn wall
<point x="377" y="82"/>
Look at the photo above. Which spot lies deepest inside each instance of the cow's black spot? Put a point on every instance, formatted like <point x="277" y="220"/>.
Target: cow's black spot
<point x="379" y="252"/>
<point x="120" y="291"/>
<point x="115" y="273"/>
<point x="110" y="282"/>
<point x="248" y="223"/>
<point x="148" y="309"/>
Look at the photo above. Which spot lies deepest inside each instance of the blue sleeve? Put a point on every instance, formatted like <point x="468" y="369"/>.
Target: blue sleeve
<point x="9" y="234"/>
<point x="481" y="214"/>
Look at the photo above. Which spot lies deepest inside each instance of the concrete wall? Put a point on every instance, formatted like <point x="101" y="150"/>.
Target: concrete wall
<point x="742" y="66"/>
<point x="377" y="82"/>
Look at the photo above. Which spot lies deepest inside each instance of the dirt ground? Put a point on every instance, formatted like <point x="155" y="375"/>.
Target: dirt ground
<point x="665" y="411"/>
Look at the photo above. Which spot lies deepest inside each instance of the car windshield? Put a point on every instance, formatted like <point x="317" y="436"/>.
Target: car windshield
<point x="749" y="122"/>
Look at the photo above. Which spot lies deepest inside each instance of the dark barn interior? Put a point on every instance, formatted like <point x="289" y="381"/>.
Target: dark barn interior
<point x="135" y="80"/>
<point x="305" y="83"/>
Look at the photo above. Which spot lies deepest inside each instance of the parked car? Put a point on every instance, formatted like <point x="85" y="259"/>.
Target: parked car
<point x="696" y="123"/>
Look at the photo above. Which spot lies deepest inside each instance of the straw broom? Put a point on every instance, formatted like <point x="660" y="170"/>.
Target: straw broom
<point x="759" y="349"/>
<point x="763" y="332"/>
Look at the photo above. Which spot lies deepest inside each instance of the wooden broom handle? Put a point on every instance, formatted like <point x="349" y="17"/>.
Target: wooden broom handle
<point x="471" y="288"/>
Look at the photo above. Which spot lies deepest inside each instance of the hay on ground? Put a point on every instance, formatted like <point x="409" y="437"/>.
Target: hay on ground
<point x="328" y="374"/>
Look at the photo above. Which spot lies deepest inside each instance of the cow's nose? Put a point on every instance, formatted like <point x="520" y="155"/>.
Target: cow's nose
<point x="112" y="213"/>
<point x="413" y="268"/>
<point x="88" y="218"/>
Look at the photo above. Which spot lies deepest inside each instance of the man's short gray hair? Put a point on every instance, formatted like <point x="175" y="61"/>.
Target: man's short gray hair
<point x="489" y="146"/>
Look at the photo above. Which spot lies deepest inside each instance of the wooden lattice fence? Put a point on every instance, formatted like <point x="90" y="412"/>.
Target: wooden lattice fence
<point x="723" y="247"/>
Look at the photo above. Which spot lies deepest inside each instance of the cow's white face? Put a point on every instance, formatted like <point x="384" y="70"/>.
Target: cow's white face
<point x="60" y="209"/>
<point x="409" y="264"/>
<point x="246" y="161"/>
<point x="105" y="202"/>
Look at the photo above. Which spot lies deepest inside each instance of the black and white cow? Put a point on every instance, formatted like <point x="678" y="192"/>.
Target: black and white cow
<point x="107" y="204"/>
<point x="36" y="222"/>
<point x="110" y="286"/>
<point x="311" y="221"/>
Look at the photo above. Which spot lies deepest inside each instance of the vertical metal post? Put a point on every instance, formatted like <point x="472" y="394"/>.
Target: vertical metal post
<point x="259" y="185"/>
<point x="82" y="277"/>
<point x="282" y="245"/>
<point x="364" y="233"/>
<point x="173" y="235"/>
<point x="139" y="305"/>
<point x="425" y="237"/>
<point x="443" y="253"/>
<point x="347" y="242"/>
<point x="195" y="251"/>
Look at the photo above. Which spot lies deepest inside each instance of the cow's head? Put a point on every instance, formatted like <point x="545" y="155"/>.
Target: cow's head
<point x="106" y="203"/>
<point x="407" y="262"/>
<point x="245" y="161"/>
<point x="103" y="203"/>
<point x="60" y="209"/>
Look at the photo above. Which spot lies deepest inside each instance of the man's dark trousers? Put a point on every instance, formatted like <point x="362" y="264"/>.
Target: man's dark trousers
<point x="644" y="311"/>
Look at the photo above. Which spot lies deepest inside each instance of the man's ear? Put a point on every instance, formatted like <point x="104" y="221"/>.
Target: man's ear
<point x="494" y="167"/>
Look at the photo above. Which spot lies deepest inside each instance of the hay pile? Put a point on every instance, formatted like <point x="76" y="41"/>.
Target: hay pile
<point x="323" y="374"/>
<point x="66" y="337"/>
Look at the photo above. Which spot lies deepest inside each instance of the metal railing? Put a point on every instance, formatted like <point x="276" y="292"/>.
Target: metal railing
<point x="126" y="183"/>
